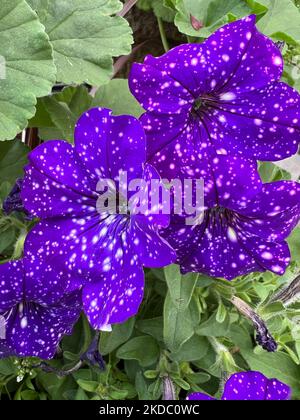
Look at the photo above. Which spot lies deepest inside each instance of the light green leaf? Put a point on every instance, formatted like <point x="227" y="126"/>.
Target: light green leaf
<point x="13" y="157"/>
<point x="144" y="349"/>
<point x="27" y="69"/>
<point x="270" y="172"/>
<point x="211" y="13"/>
<point x="275" y="365"/>
<point x="108" y="96"/>
<point x="181" y="287"/>
<point x="294" y="244"/>
<point x="84" y="37"/>
<point x="282" y="21"/>
<point x="178" y="325"/>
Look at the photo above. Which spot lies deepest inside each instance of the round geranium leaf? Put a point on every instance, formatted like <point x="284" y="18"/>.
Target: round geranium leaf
<point x="85" y="36"/>
<point x="27" y="70"/>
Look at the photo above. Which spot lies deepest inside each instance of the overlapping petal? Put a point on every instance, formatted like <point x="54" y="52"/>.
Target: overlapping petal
<point x="264" y="123"/>
<point x="237" y="58"/>
<point x="34" y="327"/>
<point x="35" y="330"/>
<point x="109" y="144"/>
<point x="254" y="386"/>
<point x="238" y="106"/>
<point x="238" y="235"/>
<point x="115" y="296"/>
<point x="11" y="280"/>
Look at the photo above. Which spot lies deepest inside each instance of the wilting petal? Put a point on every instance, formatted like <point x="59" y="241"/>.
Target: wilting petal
<point x="34" y="330"/>
<point x="198" y="396"/>
<point x="108" y="144"/>
<point x="11" y="281"/>
<point x="115" y="296"/>
<point x="158" y="92"/>
<point x="254" y="386"/>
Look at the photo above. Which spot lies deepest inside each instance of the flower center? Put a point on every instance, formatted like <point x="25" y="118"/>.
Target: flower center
<point x="201" y="104"/>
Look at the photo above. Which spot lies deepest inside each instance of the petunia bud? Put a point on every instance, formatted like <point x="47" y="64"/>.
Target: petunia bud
<point x="14" y="202"/>
<point x="263" y="337"/>
<point x="92" y="355"/>
<point x="169" y="393"/>
<point x="289" y="294"/>
<point x="196" y="24"/>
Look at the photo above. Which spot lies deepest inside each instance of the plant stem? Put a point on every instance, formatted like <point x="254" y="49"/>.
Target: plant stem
<point x="59" y="372"/>
<point x="163" y="35"/>
<point x="127" y="6"/>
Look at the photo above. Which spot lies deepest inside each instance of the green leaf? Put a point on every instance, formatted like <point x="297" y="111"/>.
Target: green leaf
<point x="27" y="71"/>
<point x="13" y="158"/>
<point x="144" y="349"/>
<point x="181" y="287"/>
<point x="108" y="96"/>
<point x="213" y="328"/>
<point x="294" y="244"/>
<point x="110" y="341"/>
<point x="275" y="365"/>
<point x="81" y="338"/>
<point x="153" y="327"/>
<point x="57" y="115"/>
<point x="221" y="313"/>
<point x="141" y="387"/>
<point x="282" y="21"/>
<point x="89" y="386"/>
<point x="160" y="8"/>
<point x="178" y="325"/>
<point x="84" y="37"/>
<point x="192" y="350"/>
<point x="62" y="117"/>
<point x="270" y="172"/>
<point x="211" y="13"/>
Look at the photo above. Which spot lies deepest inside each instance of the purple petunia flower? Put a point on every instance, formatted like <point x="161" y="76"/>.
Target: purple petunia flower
<point x="101" y="251"/>
<point x="36" y="314"/>
<point x="223" y="94"/>
<point x="244" y="225"/>
<point x="250" y="386"/>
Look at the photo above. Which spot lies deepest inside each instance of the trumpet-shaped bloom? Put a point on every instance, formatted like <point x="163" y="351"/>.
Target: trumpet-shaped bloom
<point x="90" y="246"/>
<point x="244" y="224"/>
<point x="223" y="94"/>
<point x="250" y="386"/>
<point x="36" y="314"/>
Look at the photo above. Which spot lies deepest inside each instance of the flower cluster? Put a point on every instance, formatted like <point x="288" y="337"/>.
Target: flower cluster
<point x="212" y="110"/>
